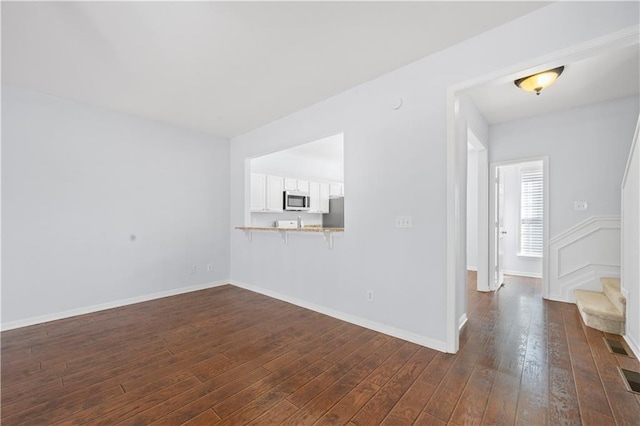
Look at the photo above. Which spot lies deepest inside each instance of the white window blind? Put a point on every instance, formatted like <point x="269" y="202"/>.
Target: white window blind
<point x="531" y="211"/>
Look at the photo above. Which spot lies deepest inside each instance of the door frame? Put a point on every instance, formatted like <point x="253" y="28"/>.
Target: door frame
<point x="493" y="167"/>
<point x="496" y="225"/>
<point x="456" y="159"/>
<point x="482" y="214"/>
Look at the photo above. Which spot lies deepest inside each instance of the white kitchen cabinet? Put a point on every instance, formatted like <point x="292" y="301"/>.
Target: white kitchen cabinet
<point x="275" y="188"/>
<point x="258" y="192"/>
<point x="319" y="194"/>
<point x="324" y="197"/>
<point x="314" y="197"/>
<point x="290" y="184"/>
<point x="299" y="185"/>
<point x="266" y="193"/>
<point x="303" y="185"/>
<point x="336" y="190"/>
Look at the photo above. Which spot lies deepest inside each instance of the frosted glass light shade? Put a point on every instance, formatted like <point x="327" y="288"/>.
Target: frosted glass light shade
<point x="537" y="82"/>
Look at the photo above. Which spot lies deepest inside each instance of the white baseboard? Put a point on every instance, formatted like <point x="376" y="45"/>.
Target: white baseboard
<point x="382" y="328"/>
<point x="587" y="278"/>
<point x="624" y="292"/>
<point x="109" y="305"/>
<point x="633" y="345"/>
<point x="523" y="274"/>
<point x="462" y="321"/>
<point x="372" y="325"/>
<point x="556" y="298"/>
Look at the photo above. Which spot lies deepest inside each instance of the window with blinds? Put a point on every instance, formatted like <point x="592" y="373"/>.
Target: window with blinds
<point x="531" y="212"/>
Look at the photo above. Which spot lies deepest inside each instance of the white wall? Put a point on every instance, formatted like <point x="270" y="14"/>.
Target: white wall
<point x="395" y="164"/>
<point x="512" y="263"/>
<point x="631" y="244"/>
<point x="582" y="255"/>
<point x="79" y="181"/>
<point x="587" y="149"/>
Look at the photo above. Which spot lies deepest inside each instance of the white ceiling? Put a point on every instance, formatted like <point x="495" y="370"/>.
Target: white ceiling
<point x="321" y="159"/>
<point x="329" y="149"/>
<point x="613" y="74"/>
<point x="225" y="68"/>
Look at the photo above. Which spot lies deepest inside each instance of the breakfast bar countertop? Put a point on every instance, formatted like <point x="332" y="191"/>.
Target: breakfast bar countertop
<point x="327" y="233"/>
<point x="304" y="229"/>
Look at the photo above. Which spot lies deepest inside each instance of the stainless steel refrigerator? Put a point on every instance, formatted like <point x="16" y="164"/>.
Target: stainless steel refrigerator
<point x="335" y="217"/>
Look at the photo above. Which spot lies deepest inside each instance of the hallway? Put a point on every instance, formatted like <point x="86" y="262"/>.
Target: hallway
<point x="536" y="360"/>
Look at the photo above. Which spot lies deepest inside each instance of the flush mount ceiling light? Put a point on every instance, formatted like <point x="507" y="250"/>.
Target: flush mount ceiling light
<point x="537" y="82"/>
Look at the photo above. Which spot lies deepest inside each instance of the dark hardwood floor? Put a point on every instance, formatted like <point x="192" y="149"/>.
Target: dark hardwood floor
<point x="229" y="356"/>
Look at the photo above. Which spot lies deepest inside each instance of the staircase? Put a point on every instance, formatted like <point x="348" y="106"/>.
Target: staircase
<point x="603" y="310"/>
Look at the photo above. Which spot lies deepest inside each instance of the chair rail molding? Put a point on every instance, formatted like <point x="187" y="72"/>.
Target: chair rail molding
<point x="581" y="255"/>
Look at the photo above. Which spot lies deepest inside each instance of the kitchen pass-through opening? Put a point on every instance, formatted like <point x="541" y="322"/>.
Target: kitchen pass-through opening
<point x="299" y="187"/>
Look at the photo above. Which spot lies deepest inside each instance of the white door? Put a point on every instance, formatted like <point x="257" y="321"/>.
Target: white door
<point x="499" y="228"/>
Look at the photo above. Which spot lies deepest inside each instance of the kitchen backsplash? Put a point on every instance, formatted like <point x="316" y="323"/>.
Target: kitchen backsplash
<point x="268" y="219"/>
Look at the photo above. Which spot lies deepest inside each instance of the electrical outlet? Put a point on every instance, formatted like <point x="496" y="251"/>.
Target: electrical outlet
<point x="210" y="267"/>
<point x="404" y="222"/>
<point x="580" y="205"/>
<point x="193" y="270"/>
<point x="370" y="295"/>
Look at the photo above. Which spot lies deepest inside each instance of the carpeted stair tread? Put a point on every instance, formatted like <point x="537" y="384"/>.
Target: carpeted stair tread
<point x="611" y="287"/>
<point x="597" y="303"/>
<point x="599" y="312"/>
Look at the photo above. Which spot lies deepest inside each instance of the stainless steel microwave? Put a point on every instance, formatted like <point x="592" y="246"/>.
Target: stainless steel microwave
<point x="297" y="201"/>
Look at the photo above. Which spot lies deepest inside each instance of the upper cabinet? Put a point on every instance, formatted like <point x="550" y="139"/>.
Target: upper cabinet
<point x="324" y="197"/>
<point x="258" y="192"/>
<point x="319" y="193"/>
<point x="266" y="193"/>
<point x="299" y="185"/>
<point x="275" y="189"/>
<point x="336" y="190"/>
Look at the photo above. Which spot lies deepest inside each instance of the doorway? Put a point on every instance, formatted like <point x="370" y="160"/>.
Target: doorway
<point x="477" y="247"/>
<point x="519" y="220"/>
<point x="456" y="164"/>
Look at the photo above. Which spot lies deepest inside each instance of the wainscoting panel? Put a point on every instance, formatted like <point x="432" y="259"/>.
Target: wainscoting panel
<point x="580" y="256"/>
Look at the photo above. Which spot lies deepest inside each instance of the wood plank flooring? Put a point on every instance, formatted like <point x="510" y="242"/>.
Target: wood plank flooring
<point x="229" y="356"/>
